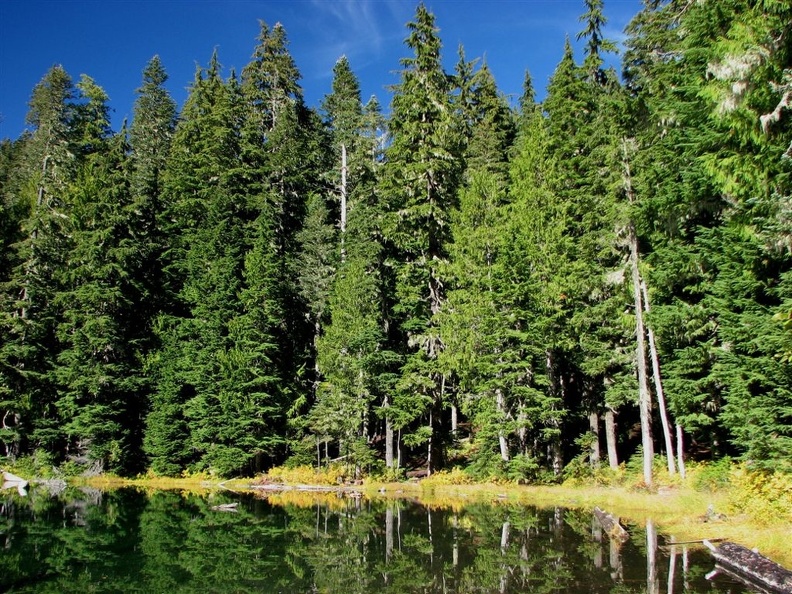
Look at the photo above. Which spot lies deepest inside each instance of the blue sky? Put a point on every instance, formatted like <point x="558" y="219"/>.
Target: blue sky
<point x="112" y="40"/>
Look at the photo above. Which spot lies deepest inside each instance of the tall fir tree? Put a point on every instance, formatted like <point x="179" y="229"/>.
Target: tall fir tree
<point x="420" y="178"/>
<point x="30" y="316"/>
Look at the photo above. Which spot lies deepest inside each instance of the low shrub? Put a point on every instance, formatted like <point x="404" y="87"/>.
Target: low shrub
<point x="307" y="475"/>
<point x="765" y="496"/>
<point x="455" y="476"/>
<point x="710" y="476"/>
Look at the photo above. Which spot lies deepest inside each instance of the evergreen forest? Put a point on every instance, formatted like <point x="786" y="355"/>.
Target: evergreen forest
<point x="524" y="290"/>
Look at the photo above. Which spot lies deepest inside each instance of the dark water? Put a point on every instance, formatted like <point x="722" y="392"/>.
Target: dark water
<point x="127" y="541"/>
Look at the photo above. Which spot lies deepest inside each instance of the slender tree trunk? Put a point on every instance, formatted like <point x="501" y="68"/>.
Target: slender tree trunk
<point x="594" y="456"/>
<point x="615" y="560"/>
<point x="388" y="533"/>
<point x="388" y="435"/>
<point x="454" y="421"/>
<point x="505" y="529"/>
<point x="652" y="579"/>
<point x="343" y="199"/>
<point x="398" y="450"/>
<point x="680" y="450"/>
<point x="429" y="446"/>
<point x="658" y="384"/>
<point x="644" y="399"/>
<point x="501" y="406"/>
<point x="610" y="438"/>
<point x="672" y="569"/>
<point x="596" y="536"/>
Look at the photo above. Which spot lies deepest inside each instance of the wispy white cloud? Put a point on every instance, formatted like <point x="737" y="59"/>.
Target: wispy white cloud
<point x="364" y="31"/>
<point x="361" y="26"/>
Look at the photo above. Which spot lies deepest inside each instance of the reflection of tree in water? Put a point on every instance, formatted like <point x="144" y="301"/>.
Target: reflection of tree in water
<point x="171" y="542"/>
<point x="56" y="547"/>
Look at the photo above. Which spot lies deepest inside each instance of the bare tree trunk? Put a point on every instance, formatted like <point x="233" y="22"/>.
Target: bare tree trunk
<point x="596" y="536"/>
<point x="454" y="422"/>
<point x="594" y="455"/>
<point x="388" y="435"/>
<point x="610" y="438"/>
<point x="501" y="406"/>
<point x="505" y="529"/>
<point x="429" y="447"/>
<point x="388" y="533"/>
<point x="644" y="399"/>
<point x="343" y="199"/>
<point x="680" y="450"/>
<point x="504" y="544"/>
<point x="652" y="579"/>
<point x="672" y="569"/>
<point x="658" y="384"/>
<point x="455" y="550"/>
<point x="615" y="560"/>
<point x="398" y="450"/>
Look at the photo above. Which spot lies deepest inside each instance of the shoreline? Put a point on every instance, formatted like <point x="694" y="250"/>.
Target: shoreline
<point x="680" y="513"/>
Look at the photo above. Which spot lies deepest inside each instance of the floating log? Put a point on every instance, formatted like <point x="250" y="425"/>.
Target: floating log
<point x="12" y="481"/>
<point x="231" y="507"/>
<point x="751" y="568"/>
<point x="611" y="525"/>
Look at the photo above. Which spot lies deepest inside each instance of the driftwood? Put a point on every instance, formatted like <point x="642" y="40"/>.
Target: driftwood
<point x="229" y="507"/>
<point x="751" y="568"/>
<point x="12" y="481"/>
<point x="673" y="543"/>
<point x="611" y="525"/>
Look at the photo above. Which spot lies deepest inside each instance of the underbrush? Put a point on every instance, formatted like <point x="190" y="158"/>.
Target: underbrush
<point x="306" y="475"/>
<point x="766" y="497"/>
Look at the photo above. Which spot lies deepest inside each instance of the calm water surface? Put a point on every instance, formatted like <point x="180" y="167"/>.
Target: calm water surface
<point x="127" y="541"/>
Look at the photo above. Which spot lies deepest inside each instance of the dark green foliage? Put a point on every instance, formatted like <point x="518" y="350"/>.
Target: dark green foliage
<point x="449" y="285"/>
<point x="420" y="177"/>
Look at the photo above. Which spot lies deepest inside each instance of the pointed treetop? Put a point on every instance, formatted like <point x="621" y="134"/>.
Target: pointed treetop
<point x="528" y="98"/>
<point x="596" y="44"/>
<point x="49" y="97"/>
<point x="154" y="74"/>
<point x="214" y="65"/>
<point x="272" y="70"/>
<point x="423" y="39"/>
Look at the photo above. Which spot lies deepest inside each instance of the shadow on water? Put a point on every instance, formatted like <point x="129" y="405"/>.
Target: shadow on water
<point x="127" y="541"/>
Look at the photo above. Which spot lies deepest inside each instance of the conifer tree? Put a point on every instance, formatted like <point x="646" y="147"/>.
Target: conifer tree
<point x="150" y="137"/>
<point x="101" y="396"/>
<point x="282" y="152"/>
<point x="474" y="324"/>
<point x="352" y="354"/>
<point x="30" y="314"/>
<point x="420" y="179"/>
<point x="206" y="263"/>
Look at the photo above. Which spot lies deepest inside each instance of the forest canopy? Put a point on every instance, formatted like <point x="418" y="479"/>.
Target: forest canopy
<point x="524" y="291"/>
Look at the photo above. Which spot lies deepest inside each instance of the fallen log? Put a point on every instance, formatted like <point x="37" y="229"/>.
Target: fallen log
<point x="232" y="507"/>
<point x="751" y="568"/>
<point x="12" y="481"/>
<point x="611" y="525"/>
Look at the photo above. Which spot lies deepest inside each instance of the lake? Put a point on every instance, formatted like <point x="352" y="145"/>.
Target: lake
<point x="129" y="541"/>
